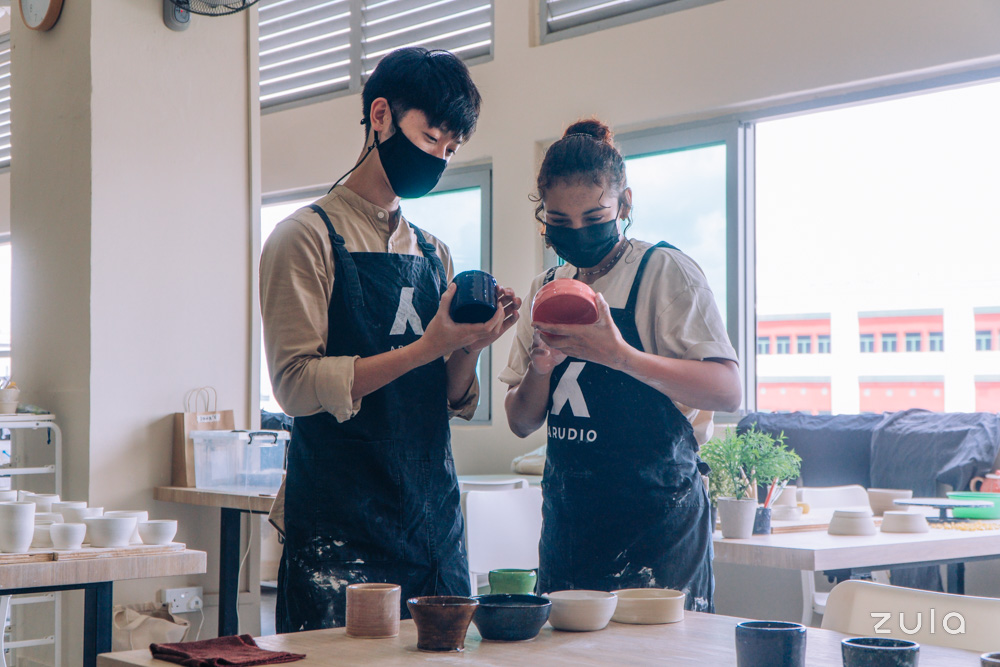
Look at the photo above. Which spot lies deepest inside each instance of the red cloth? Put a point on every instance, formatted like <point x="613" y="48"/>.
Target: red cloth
<point x="239" y="651"/>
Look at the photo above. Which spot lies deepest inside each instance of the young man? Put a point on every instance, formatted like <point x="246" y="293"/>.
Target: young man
<point x="362" y="352"/>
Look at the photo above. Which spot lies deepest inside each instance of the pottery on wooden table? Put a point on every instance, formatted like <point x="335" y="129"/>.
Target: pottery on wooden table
<point x="513" y="581"/>
<point x="649" y="606"/>
<point x="990" y="659"/>
<point x="884" y="499"/>
<point x="67" y="536"/>
<point x="990" y="483"/>
<point x="157" y="531"/>
<point x="786" y="497"/>
<point x="786" y="513"/>
<point x="110" y="531"/>
<point x="442" y="621"/>
<point x="511" y="617"/>
<point x="770" y="643"/>
<point x="581" y="610"/>
<point x="894" y="521"/>
<point x="140" y="516"/>
<point x="852" y="522"/>
<point x="736" y="517"/>
<point x="879" y="652"/>
<point x="17" y="526"/>
<point x="373" y="610"/>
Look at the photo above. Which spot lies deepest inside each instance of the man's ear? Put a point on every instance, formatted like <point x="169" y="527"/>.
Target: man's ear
<point x="380" y="114"/>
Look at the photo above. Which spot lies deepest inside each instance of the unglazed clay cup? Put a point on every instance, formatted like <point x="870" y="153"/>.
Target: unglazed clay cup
<point x="883" y="499"/>
<point x="110" y="531"/>
<point x="17" y="526"/>
<point x="67" y="536"/>
<point x="649" y="606"/>
<point x="581" y="610"/>
<point x="80" y="515"/>
<point x="43" y="501"/>
<point x="515" y="582"/>
<point x="140" y="516"/>
<point x="63" y="505"/>
<point x="158" y="531"/>
<point x="48" y="517"/>
<point x="8" y="496"/>
<point x="373" y="610"/>
<point x="442" y="621"/>
<point x="41" y="538"/>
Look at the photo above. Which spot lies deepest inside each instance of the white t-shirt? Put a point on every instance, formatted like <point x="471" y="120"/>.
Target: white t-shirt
<point x="675" y="314"/>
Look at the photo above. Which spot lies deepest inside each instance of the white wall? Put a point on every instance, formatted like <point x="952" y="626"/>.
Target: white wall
<point x="709" y="61"/>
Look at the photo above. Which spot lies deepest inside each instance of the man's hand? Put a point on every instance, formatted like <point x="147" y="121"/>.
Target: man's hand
<point x="443" y="335"/>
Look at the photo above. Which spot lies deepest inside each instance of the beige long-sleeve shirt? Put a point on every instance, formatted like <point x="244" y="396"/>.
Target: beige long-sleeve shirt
<point x="675" y="314"/>
<point x="296" y="284"/>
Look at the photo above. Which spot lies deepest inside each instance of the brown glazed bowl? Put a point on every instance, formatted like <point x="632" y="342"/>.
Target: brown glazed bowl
<point x="442" y="621"/>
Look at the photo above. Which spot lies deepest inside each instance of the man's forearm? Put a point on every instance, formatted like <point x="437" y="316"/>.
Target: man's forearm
<point x="373" y="373"/>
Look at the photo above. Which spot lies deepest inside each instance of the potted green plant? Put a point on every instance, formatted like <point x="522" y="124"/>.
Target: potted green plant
<point x="739" y="462"/>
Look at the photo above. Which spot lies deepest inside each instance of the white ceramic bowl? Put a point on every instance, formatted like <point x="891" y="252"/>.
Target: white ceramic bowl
<point x="43" y="501"/>
<point x="882" y="499"/>
<point x="649" y="606"/>
<point x="67" y="535"/>
<point x="50" y="517"/>
<point x="42" y="538"/>
<point x="8" y="496"/>
<point x="158" y="531"/>
<point x="894" y="521"/>
<point x="852" y="522"/>
<point x="786" y="513"/>
<point x="140" y="516"/>
<point x="63" y="505"/>
<point x="110" y="531"/>
<point x="581" y="610"/>
<point x="80" y="515"/>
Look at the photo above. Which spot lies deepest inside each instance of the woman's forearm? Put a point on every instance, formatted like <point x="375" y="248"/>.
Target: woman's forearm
<point x="703" y="385"/>
<point x="526" y="403"/>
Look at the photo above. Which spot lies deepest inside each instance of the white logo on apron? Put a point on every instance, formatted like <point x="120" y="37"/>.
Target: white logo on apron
<point x="569" y="390"/>
<point x="406" y="314"/>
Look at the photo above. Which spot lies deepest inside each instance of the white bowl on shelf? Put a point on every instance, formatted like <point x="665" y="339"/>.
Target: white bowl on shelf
<point x="48" y="517"/>
<point x="581" y="610"/>
<point x="852" y="522"/>
<point x="158" y="531"/>
<point x="110" y="531"/>
<point x="43" y="501"/>
<point x="894" y="521"/>
<point x="140" y="516"/>
<point x="66" y="536"/>
<point x="42" y="538"/>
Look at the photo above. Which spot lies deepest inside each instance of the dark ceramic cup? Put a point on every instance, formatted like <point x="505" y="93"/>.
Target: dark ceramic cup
<point x="475" y="299"/>
<point x="441" y="621"/>
<point x="990" y="659"/>
<point x="511" y="618"/>
<point x="770" y="644"/>
<point x="879" y="652"/>
<point x="762" y="521"/>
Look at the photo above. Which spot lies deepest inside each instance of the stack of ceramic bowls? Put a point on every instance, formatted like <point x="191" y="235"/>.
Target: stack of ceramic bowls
<point x="852" y="522"/>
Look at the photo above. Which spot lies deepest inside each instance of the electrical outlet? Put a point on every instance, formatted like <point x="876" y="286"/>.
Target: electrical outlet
<point x="181" y="600"/>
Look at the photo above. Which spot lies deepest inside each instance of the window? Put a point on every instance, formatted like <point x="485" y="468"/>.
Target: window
<point x="888" y="342"/>
<point x="568" y="18"/>
<point x="984" y="340"/>
<point x="935" y="341"/>
<point x="314" y="48"/>
<point x="823" y="344"/>
<point x="867" y="342"/>
<point x="913" y="342"/>
<point x="803" y="344"/>
<point x="783" y="345"/>
<point x="5" y="305"/>
<point x="763" y="345"/>
<point x="5" y="102"/>
<point x="457" y="211"/>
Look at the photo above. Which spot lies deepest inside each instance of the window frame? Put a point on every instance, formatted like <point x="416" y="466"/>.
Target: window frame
<point x="547" y="36"/>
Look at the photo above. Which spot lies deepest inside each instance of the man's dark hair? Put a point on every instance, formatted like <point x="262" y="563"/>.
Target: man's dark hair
<point x="434" y="82"/>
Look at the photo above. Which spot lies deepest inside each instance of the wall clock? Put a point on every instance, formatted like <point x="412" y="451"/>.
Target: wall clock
<point x="40" y="14"/>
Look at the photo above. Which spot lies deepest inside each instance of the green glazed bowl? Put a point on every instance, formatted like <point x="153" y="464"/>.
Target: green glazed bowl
<point x="976" y="512"/>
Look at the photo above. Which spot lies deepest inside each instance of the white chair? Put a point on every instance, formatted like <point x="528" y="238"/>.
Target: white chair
<point x="866" y="608"/>
<point x="502" y="529"/>
<point x="491" y="482"/>
<point x="827" y="498"/>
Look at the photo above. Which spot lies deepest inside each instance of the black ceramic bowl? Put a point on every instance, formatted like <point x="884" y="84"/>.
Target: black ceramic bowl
<point x="475" y="299"/>
<point x="511" y="618"/>
<point x="879" y="652"/>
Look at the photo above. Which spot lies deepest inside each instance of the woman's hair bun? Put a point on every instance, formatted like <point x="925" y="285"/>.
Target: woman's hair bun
<point x="593" y="128"/>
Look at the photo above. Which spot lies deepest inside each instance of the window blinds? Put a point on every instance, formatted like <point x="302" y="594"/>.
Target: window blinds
<point x="5" y="100"/>
<point x="564" y="14"/>
<point x="314" y="47"/>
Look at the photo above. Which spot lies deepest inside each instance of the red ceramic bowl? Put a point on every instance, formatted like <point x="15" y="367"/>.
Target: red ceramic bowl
<point x="564" y="301"/>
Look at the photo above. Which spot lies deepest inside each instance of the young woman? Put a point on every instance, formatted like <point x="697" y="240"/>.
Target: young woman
<point x="624" y="505"/>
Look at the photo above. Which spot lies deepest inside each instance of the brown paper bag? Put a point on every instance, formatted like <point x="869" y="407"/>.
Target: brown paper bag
<point x="139" y="625"/>
<point x="210" y="419"/>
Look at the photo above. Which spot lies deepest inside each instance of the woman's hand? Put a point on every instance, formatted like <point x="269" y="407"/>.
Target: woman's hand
<point x="543" y="357"/>
<point x="600" y="342"/>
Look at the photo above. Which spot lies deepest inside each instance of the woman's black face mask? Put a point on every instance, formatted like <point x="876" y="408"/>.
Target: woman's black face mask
<point x="411" y="171"/>
<point x="584" y="247"/>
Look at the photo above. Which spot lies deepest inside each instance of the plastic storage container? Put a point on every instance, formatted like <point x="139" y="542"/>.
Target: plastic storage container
<point x="239" y="461"/>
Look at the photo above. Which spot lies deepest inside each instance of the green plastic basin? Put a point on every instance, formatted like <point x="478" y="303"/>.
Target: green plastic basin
<point x="976" y="512"/>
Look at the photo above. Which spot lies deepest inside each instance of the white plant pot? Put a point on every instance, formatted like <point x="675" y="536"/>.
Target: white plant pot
<point x="17" y="527"/>
<point x="736" y="517"/>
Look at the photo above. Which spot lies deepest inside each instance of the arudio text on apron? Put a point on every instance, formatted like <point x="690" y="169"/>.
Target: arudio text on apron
<point x="624" y="505"/>
<point x="374" y="498"/>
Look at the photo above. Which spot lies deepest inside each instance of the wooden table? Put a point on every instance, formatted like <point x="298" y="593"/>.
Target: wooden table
<point x="95" y="576"/>
<point x="701" y="639"/>
<point x="231" y="505"/>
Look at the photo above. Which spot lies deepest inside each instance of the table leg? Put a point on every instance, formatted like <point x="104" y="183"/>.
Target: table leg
<point x="956" y="578"/>
<point x="96" y="621"/>
<point x="229" y="572"/>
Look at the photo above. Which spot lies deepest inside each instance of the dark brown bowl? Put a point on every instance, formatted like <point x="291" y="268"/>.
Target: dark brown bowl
<point x="442" y="621"/>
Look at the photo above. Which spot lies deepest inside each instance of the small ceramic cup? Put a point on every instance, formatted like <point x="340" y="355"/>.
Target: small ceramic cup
<point x="17" y="526"/>
<point x="63" y="505"/>
<point x="879" y="652"/>
<point x="42" y="537"/>
<point x="515" y="582"/>
<point x="8" y="496"/>
<point x="770" y="643"/>
<point x="48" y="517"/>
<point x="140" y="516"/>
<point x="373" y="610"/>
<point x="158" y="531"/>
<point x="442" y="621"/>
<point x="475" y="298"/>
<point x="67" y="536"/>
<point x="43" y="501"/>
<point x="990" y="659"/>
